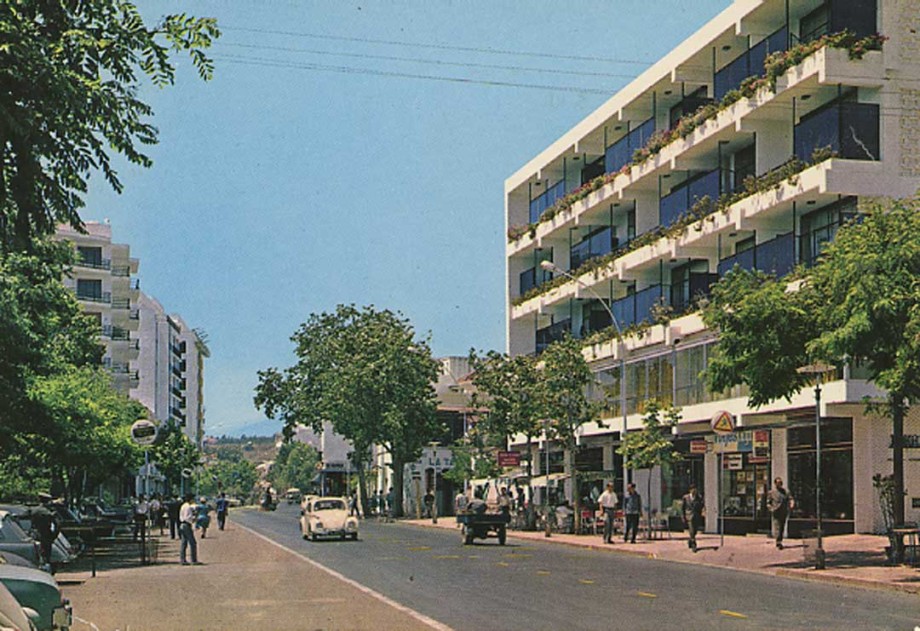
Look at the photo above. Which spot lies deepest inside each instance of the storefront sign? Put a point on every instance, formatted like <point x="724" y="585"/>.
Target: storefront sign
<point x="760" y="451"/>
<point x="509" y="459"/>
<point x="723" y="422"/>
<point x="733" y="462"/>
<point x="698" y="447"/>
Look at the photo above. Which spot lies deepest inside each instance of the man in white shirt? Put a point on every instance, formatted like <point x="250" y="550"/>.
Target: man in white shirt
<point x="608" y="503"/>
<point x="186" y="530"/>
<point x="141" y="508"/>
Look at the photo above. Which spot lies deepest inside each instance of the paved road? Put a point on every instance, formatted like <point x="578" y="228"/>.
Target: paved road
<point x="546" y="586"/>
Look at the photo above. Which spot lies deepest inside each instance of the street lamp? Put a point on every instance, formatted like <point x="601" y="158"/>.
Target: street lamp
<point x="549" y="266"/>
<point x="817" y="369"/>
<point x="546" y="482"/>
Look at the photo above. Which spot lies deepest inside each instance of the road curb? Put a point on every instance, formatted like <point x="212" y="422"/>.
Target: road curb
<point x="849" y="581"/>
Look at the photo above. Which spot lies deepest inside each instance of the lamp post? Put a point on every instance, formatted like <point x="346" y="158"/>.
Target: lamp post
<point x="817" y="369"/>
<point x="546" y="472"/>
<point x="549" y="266"/>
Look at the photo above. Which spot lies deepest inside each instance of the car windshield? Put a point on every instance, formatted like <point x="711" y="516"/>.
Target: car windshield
<point x="10" y="530"/>
<point x="329" y="505"/>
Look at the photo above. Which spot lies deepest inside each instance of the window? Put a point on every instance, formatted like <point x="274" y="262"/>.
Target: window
<point x="836" y="469"/>
<point x="91" y="256"/>
<point x="820" y="227"/>
<point x="89" y="289"/>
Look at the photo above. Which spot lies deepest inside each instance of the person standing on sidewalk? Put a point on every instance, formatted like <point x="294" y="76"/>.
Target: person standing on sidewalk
<point x="779" y="503"/>
<point x="632" y="508"/>
<point x="223" y="506"/>
<point x="172" y="513"/>
<point x="141" y="510"/>
<point x="693" y="514"/>
<point x="186" y="530"/>
<point x="608" y="504"/>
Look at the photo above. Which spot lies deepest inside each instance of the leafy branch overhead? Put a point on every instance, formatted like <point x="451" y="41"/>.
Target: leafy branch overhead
<point x="71" y="74"/>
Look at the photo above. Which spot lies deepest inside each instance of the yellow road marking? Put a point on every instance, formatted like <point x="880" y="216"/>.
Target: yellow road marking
<point x="503" y="564"/>
<point x="648" y="595"/>
<point x="516" y="555"/>
<point x="543" y="572"/>
<point x="417" y="548"/>
<point x="586" y="581"/>
<point x="447" y="556"/>
<point x="472" y="556"/>
<point x="731" y="614"/>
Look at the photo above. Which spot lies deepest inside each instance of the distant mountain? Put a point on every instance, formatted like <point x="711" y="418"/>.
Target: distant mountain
<point x="262" y="427"/>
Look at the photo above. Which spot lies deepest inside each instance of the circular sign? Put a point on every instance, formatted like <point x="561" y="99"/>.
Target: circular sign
<point x="186" y="473"/>
<point x="723" y="422"/>
<point x="144" y="432"/>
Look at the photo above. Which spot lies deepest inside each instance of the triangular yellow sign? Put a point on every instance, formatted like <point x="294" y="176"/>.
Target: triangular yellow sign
<point x="723" y="422"/>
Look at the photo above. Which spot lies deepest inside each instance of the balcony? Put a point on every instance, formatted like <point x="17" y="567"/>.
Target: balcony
<point x="93" y="263"/>
<point x="637" y="307"/>
<point x="858" y="17"/>
<point x="621" y="152"/>
<point x="850" y="129"/>
<point x="533" y="277"/>
<point x="121" y="270"/>
<point x="597" y="243"/>
<point x="121" y="303"/>
<point x="104" y="297"/>
<point x="776" y="257"/>
<point x="553" y="333"/>
<point x="686" y="295"/>
<point x="749" y="63"/>
<point x="547" y="199"/>
<point x="682" y="197"/>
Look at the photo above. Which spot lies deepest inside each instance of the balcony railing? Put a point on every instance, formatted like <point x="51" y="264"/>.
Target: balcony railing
<point x="621" y="152"/>
<point x="749" y="63"/>
<point x="104" y="297"/>
<point x="851" y="130"/>
<point x="546" y="199"/>
<point x="637" y="307"/>
<point x="103" y="264"/>
<point x="776" y="257"/>
<point x="686" y="295"/>
<point x="533" y="277"/>
<point x="135" y="284"/>
<point x="553" y="333"/>
<point x="121" y="270"/>
<point x="121" y="303"/>
<point x="682" y="198"/>
<point x="595" y="244"/>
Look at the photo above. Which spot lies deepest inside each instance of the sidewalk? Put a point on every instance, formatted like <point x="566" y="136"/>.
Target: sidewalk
<point x="244" y="583"/>
<point x="857" y="560"/>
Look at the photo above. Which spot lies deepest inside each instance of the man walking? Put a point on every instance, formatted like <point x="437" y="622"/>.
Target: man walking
<point x="779" y="503"/>
<point x="693" y="514"/>
<point x="632" y="508"/>
<point x="44" y="521"/>
<point x="608" y="504"/>
<point x="141" y="510"/>
<point x="172" y="513"/>
<point x="186" y="530"/>
<point x="223" y="506"/>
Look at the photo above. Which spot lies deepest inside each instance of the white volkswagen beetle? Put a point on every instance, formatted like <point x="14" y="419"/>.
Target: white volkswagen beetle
<point x="328" y="517"/>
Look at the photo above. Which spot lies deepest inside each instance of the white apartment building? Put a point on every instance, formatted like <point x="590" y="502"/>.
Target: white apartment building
<point x="171" y="368"/>
<point x="103" y="283"/>
<point x="617" y="223"/>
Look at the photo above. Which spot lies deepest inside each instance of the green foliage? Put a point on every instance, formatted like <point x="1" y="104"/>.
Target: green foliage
<point x="508" y="388"/>
<point x="173" y="452"/>
<point x="295" y="465"/>
<point x="236" y="478"/>
<point x="70" y="73"/>
<point x="565" y="379"/>
<point x="364" y="371"/>
<point x="652" y="447"/>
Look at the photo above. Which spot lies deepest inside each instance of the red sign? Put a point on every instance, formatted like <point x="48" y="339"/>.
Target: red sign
<point x="697" y="446"/>
<point x="509" y="458"/>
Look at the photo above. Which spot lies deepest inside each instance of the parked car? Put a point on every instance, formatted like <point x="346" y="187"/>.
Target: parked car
<point x="62" y="551"/>
<point x="14" y="539"/>
<point x="118" y="515"/>
<point x="38" y="591"/>
<point x="293" y="494"/>
<point x="12" y="615"/>
<point x="328" y="517"/>
<point x="78" y="527"/>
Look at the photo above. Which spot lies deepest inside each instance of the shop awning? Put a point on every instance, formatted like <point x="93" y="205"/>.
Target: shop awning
<point x="540" y="480"/>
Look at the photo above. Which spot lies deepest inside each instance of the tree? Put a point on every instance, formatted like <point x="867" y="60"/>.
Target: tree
<point x="565" y="379"/>
<point x="236" y="478"/>
<point x="861" y="301"/>
<point x="83" y="430"/>
<point x="295" y="466"/>
<point x="651" y="447"/>
<point x="173" y="452"/>
<point x="364" y="371"/>
<point x="508" y="389"/>
<point x="71" y="72"/>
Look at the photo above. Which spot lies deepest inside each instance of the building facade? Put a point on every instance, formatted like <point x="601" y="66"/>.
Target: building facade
<point x="696" y="167"/>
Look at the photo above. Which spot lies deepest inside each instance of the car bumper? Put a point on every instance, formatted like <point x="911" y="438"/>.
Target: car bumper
<point x="62" y="617"/>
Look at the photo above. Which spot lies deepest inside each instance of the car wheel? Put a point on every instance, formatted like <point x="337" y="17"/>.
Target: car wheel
<point x="304" y="535"/>
<point x="354" y="537"/>
<point x="502" y="535"/>
<point x="344" y="536"/>
<point x="312" y="536"/>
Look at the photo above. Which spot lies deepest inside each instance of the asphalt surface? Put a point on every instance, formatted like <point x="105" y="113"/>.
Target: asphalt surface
<point x="546" y="586"/>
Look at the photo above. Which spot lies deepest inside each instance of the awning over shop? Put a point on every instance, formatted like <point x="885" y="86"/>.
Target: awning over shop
<point x="540" y="480"/>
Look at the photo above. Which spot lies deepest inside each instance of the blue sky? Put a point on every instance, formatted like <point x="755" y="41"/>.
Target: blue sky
<point x="295" y="180"/>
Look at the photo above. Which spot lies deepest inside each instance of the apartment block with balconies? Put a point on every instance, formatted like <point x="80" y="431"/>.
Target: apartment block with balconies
<point x="697" y="167"/>
<point x="103" y="281"/>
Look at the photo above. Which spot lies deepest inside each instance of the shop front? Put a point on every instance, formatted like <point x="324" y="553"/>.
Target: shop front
<point x="744" y="480"/>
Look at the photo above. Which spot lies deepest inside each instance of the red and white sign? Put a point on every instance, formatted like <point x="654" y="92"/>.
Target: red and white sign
<point x="698" y="446"/>
<point x="509" y="459"/>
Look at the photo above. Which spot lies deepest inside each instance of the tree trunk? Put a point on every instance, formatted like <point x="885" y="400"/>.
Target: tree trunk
<point x="530" y="515"/>
<point x="398" y="467"/>
<point x="576" y="495"/>
<point x="648" y="505"/>
<point x="896" y="401"/>
<point x="362" y="486"/>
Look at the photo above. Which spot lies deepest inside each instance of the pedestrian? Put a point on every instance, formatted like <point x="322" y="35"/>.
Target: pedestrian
<point x="156" y="513"/>
<point x="504" y="502"/>
<point x="45" y="522"/>
<point x="391" y="505"/>
<point x="353" y="504"/>
<point x="202" y="518"/>
<point x="172" y="513"/>
<point x="141" y="513"/>
<point x="429" y="503"/>
<point x="461" y="502"/>
<point x="608" y="503"/>
<point x="186" y="530"/>
<point x="693" y="514"/>
<point x="223" y="507"/>
<point x="632" y="508"/>
<point x="779" y="503"/>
